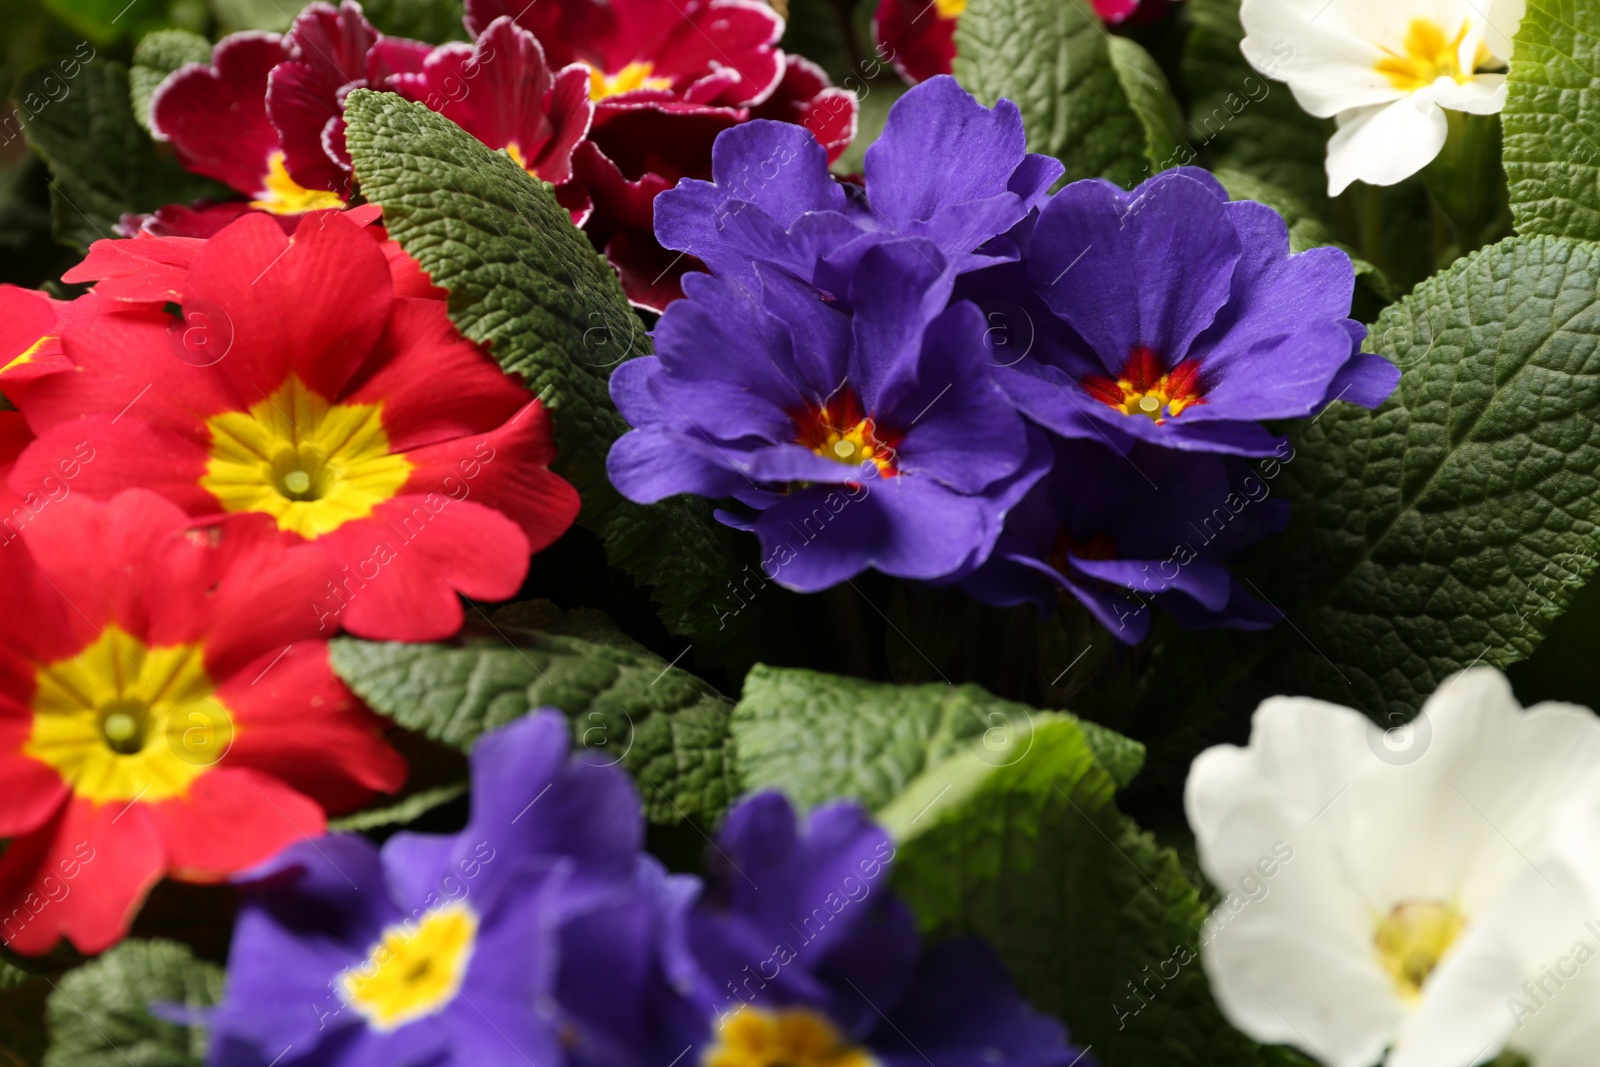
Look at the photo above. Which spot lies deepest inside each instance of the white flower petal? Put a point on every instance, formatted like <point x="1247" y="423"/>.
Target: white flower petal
<point x="1485" y="94"/>
<point x="1330" y="65"/>
<point x="1463" y="822"/>
<point x="1387" y="144"/>
<point x="1306" y="751"/>
<point x="1465" y="1015"/>
<point x="1290" y="956"/>
<point x="1500" y="25"/>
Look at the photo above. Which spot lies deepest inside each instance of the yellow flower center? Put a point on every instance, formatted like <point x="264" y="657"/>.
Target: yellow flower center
<point x="1412" y="940"/>
<point x="950" y="9"/>
<point x="516" y="155"/>
<point x="282" y="195"/>
<point x="751" y="1037"/>
<point x="27" y="356"/>
<point x="415" y="969"/>
<point x="633" y="76"/>
<point x="839" y="430"/>
<point x="122" y="722"/>
<point x="312" y="465"/>
<point x="1429" y="55"/>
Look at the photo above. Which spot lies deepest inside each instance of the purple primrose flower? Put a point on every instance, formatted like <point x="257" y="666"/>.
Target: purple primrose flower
<point x="802" y="946"/>
<point x="1122" y="531"/>
<point x="870" y="438"/>
<point x="1177" y="317"/>
<point x="437" y="950"/>
<point x="946" y="170"/>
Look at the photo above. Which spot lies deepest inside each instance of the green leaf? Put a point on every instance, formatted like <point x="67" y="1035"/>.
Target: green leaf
<point x="405" y="811"/>
<point x="1243" y="120"/>
<point x="1151" y="99"/>
<point x="22" y="1029"/>
<point x="99" y="1014"/>
<point x="1449" y="528"/>
<point x="234" y="16"/>
<point x="818" y="29"/>
<point x="1552" y="120"/>
<point x="434" y="21"/>
<point x="525" y="282"/>
<point x="1087" y="911"/>
<point x="103" y="164"/>
<point x="1052" y="57"/>
<point x="158" y="55"/>
<point x="816" y="736"/>
<point x="666" y="726"/>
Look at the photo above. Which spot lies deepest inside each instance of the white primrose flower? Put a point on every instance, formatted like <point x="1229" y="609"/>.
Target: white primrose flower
<point x="1429" y="880"/>
<point x="1385" y="70"/>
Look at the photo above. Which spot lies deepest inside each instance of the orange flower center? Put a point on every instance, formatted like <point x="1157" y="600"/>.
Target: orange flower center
<point x="121" y="721"/>
<point x="1145" y="388"/>
<point x="839" y="430"/>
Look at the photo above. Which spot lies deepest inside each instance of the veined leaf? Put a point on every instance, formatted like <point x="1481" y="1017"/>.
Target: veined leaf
<point x="100" y="1013"/>
<point x="1552" y="120"/>
<point x="525" y="282"/>
<point x="1054" y="59"/>
<point x="666" y="726"/>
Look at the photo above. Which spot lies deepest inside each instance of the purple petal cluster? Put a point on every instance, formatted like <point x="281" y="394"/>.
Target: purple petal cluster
<point x="946" y="170"/>
<point x="951" y="375"/>
<point x="542" y="934"/>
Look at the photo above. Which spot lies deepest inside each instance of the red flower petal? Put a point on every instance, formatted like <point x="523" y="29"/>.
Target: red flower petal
<point x="137" y="362"/>
<point x="502" y="91"/>
<point x="622" y="226"/>
<point x="26" y="318"/>
<point x="232" y="818"/>
<point x="147" y="269"/>
<point x="506" y="469"/>
<point x="410" y="559"/>
<point x="242" y="586"/>
<point x="87" y="552"/>
<point x="298" y="722"/>
<point x="420" y="350"/>
<point x="96" y="457"/>
<point x="33" y="790"/>
<point x="315" y="307"/>
<point x="82" y="876"/>
<point x="806" y="98"/>
<point x="216" y="116"/>
<point x="915" y="37"/>
<point x="328" y="50"/>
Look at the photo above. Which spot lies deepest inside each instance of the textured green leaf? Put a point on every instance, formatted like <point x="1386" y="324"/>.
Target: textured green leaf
<point x="1552" y="120"/>
<point x="1448" y="528"/>
<point x="817" y="736"/>
<point x="1151" y="99"/>
<point x="1096" y="922"/>
<point x="524" y="281"/>
<point x="158" y="55"/>
<point x="1053" y="59"/>
<point x="102" y="163"/>
<point x="666" y="726"/>
<point x="99" y="1014"/>
<point x="1246" y="122"/>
